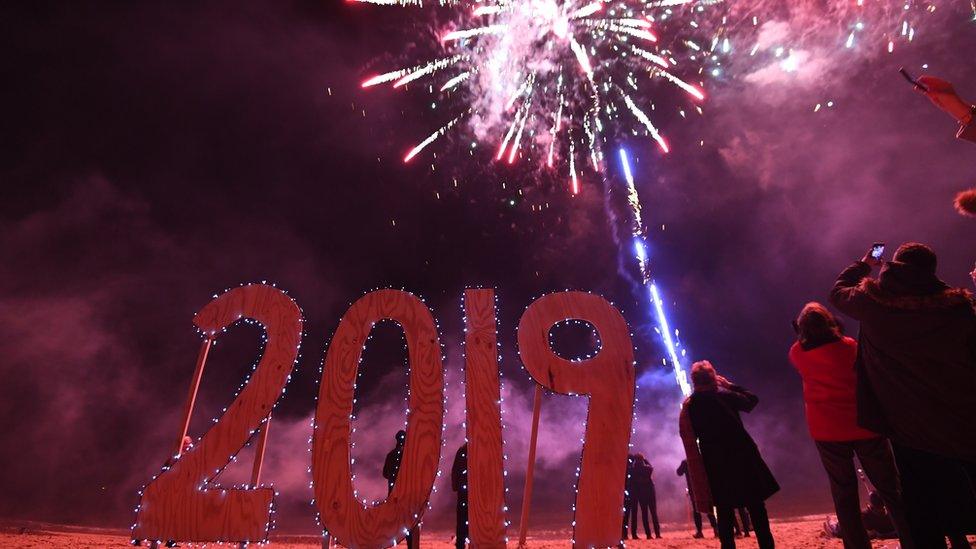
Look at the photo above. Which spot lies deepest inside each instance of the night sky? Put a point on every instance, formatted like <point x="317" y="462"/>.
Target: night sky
<point x="154" y="154"/>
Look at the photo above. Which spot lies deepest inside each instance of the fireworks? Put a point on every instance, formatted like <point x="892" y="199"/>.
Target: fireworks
<point x="647" y="282"/>
<point x="545" y="79"/>
<point x="549" y="81"/>
<point x="554" y="81"/>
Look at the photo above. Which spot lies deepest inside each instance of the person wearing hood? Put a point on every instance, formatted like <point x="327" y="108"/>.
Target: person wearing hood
<point x="736" y="474"/>
<point x="916" y="382"/>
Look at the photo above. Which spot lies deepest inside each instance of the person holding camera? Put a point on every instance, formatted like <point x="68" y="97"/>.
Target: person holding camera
<point x="916" y="382"/>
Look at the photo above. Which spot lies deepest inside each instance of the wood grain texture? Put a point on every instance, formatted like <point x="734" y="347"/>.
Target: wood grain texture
<point x="608" y="380"/>
<point x="486" y="477"/>
<point x="180" y="504"/>
<point x="351" y="523"/>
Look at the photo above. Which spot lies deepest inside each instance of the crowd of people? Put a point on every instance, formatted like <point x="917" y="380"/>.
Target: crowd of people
<point x="894" y="409"/>
<point x="899" y="400"/>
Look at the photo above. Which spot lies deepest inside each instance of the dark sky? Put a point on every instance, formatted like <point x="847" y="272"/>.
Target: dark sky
<point x="154" y="154"/>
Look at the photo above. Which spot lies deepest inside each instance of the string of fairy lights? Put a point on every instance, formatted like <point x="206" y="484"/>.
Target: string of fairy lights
<point x="211" y="336"/>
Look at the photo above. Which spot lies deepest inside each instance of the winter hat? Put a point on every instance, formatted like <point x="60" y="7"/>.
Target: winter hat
<point x="919" y="256"/>
<point x="966" y="202"/>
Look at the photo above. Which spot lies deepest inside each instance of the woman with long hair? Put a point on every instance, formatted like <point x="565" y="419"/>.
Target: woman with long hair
<point x="713" y="434"/>
<point x="824" y="357"/>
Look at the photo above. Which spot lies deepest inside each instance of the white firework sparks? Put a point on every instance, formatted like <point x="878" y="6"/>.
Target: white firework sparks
<point x="541" y="78"/>
<point x="523" y="69"/>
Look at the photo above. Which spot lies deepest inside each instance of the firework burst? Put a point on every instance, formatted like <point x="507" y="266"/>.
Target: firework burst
<point x="547" y="80"/>
<point x="543" y="80"/>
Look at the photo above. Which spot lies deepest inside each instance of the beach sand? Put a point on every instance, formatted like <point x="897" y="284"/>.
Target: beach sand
<point x="801" y="533"/>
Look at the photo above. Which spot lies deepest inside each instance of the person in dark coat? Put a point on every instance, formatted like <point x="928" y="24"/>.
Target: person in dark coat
<point x="642" y="496"/>
<point x="695" y="512"/>
<point x="737" y="474"/>
<point x="824" y="358"/>
<point x="391" y="467"/>
<point x="916" y="370"/>
<point x="629" y="491"/>
<point x="459" y="483"/>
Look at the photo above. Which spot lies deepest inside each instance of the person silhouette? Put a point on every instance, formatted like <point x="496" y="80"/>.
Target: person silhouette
<point x="459" y="483"/>
<point x="391" y="468"/>
<point x="642" y="496"/>
<point x="695" y="512"/>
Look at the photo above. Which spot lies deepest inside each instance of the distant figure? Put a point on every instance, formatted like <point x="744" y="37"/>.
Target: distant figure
<point x="392" y="464"/>
<point x="459" y="483"/>
<point x="737" y="474"/>
<point x="695" y="512"/>
<point x="825" y="360"/>
<point x="746" y="523"/>
<point x="643" y="496"/>
<point x="629" y="491"/>
<point x="391" y="467"/>
<point x="915" y="382"/>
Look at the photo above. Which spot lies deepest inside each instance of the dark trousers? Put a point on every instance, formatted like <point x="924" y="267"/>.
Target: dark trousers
<point x="879" y="465"/>
<point x="760" y="524"/>
<point x="646" y="501"/>
<point x="696" y="516"/>
<point x="462" y="521"/>
<point x="938" y="493"/>
<point x="746" y="524"/>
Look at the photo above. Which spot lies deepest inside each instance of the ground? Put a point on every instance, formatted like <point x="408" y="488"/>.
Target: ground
<point x="801" y="533"/>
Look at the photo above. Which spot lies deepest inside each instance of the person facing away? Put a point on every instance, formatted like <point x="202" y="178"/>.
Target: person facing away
<point x="643" y="496"/>
<point x="824" y="358"/>
<point x="391" y="468"/>
<point x="695" y="512"/>
<point x="459" y="483"/>
<point x="737" y="474"/>
<point x="746" y="523"/>
<point x="392" y="464"/>
<point x="916" y="380"/>
<point x="629" y="492"/>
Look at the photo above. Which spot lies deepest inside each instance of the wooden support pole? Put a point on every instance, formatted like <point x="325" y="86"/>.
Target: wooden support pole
<point x="259" y="453"/>
<point x="259" y="459"/>
<point x="530" y="467"/>
<point x="192" y="397"/>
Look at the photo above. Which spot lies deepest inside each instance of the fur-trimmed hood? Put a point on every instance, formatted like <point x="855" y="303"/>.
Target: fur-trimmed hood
<point x="945" y="299"/>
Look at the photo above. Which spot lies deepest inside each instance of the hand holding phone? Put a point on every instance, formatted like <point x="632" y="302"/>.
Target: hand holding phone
<point x="873" y="257"/>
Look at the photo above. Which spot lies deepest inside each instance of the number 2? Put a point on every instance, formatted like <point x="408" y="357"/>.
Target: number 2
<point x="180" y="503"/>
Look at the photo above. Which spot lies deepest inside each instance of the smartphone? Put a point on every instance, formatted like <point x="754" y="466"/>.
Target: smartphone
<point x="877" y="250"/>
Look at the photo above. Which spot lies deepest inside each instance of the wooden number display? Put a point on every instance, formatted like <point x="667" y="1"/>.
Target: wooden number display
<point x="351" y="523"/>
<point x="486" y="480"/>
<point x="181" y="504"/>
<point x="608" y="380"/>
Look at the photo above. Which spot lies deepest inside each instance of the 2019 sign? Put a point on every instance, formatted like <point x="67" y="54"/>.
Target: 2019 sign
<point x="182" y="502"/>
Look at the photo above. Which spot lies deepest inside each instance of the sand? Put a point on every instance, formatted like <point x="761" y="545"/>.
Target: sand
<point x="800" y="533"/>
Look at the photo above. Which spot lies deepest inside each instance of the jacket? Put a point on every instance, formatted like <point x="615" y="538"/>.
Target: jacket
<point x="916" y="361"/>
<point x="830" y="390"/>
<point x="737" y="474"/>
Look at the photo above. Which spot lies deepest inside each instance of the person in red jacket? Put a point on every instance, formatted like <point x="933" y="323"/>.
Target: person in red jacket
<point x="824" y="357"/>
